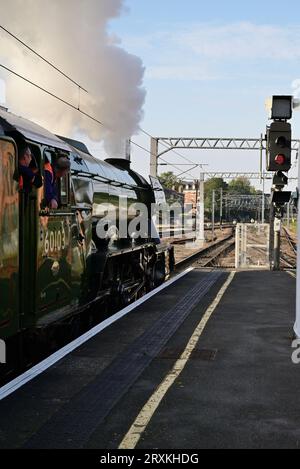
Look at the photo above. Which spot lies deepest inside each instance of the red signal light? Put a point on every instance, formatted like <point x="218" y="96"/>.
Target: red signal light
<point x="280" y="159"/>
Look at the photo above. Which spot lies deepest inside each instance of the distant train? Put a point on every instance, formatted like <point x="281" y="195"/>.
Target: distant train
<point x="54" y="269"/>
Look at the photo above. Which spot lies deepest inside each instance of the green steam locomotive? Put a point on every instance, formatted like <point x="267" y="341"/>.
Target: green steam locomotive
<point x="55" y="269"/>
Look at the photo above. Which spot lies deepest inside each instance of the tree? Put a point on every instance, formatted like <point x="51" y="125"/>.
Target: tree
<point x="241" y="186"/>
<point x="169" y="180"/>
<point x="213" y="184"/>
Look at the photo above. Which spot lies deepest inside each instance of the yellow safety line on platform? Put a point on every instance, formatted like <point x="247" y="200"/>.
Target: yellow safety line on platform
<point x="141" y="422"/>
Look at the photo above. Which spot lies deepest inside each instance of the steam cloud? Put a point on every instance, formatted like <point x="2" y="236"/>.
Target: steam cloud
<point x="296" y="88"/>
<point x="73" y="35"/>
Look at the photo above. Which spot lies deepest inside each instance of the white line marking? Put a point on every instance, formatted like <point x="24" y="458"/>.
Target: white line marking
<point x="140" y="424"/>
<point x="35" y="371"/>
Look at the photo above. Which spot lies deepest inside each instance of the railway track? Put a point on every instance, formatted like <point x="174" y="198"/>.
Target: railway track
<point x="291" y="241"/>
<point x="290" y="264"/>
<point x="177" y="235"/>
<point x="289" y="257"/>
<point x="209" y="256"/>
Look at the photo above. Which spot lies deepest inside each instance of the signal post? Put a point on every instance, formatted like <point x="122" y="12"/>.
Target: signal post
<point x="279" y="152"/>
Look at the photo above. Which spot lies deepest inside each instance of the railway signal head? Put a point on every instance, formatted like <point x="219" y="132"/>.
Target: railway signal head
<point x="281" y="107"/>
<point x="280" y="180"/>
<point x="279" y="146"/>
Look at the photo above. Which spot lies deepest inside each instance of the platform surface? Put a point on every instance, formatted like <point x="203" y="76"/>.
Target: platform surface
<point x="239" y="388"/>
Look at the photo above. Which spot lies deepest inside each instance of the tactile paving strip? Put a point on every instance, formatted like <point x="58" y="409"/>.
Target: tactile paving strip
<point x="74" y="423"/>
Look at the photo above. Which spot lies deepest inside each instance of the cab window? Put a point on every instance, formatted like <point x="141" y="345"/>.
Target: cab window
<point x="56" y="180"/>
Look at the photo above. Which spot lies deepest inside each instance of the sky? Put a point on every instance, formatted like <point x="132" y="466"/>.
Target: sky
<point x="210" y="67"/>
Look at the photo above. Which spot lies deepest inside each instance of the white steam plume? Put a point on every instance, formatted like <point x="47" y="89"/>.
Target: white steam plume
<point x="296" y="88"/>
<point x="296" y="94"/>
<point x="73" y="35"/>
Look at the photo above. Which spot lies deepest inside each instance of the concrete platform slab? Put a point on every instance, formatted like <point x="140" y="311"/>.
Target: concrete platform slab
<point x="239" y="389"/>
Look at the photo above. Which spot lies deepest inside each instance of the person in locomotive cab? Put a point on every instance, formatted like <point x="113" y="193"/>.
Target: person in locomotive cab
<point x="28" y="174"/>
<point x="52" y="175"/>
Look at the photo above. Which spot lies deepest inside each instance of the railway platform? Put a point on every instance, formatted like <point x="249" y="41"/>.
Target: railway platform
<point x="204" y="363"/>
